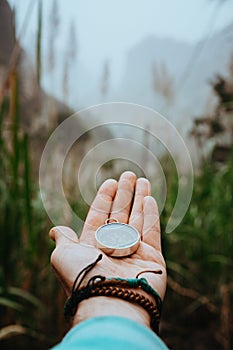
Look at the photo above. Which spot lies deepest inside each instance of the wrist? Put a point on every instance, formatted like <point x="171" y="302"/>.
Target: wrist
<point x="109" y="306"/>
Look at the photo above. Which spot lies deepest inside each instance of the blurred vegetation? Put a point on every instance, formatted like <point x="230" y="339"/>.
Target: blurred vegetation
<point x="199" y="254"/>
<point x="25" y="283"/>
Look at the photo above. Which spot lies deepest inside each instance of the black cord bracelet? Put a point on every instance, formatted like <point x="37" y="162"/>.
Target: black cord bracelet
<point x="118" y="288"/>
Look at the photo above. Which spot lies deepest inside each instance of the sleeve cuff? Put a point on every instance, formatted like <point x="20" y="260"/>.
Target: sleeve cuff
<point x="110" y="332"/>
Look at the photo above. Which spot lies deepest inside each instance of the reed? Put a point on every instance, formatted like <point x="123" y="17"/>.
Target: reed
<point x="199" y="257"/>
<point x="20" y="236"/>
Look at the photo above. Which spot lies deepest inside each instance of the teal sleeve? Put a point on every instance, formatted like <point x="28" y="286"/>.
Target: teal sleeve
<point x="110" y="332"/>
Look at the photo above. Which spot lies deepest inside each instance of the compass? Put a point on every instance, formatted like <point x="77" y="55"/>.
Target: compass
<point x="117" y="239"/>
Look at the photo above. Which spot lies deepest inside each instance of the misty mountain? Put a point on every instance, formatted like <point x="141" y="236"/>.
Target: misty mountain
<point x="155" y="65"/>
<point x="170" y="76"/>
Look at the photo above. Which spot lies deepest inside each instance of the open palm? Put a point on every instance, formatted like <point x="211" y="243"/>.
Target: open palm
<point x="128" y="201"/>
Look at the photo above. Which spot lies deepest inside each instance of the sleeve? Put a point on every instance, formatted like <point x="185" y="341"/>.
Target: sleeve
<point x="110" y="332"/>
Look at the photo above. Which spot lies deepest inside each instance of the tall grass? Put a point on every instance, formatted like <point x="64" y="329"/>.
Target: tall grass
<point x="22" y="222"/>
<point x="200" y="260"/>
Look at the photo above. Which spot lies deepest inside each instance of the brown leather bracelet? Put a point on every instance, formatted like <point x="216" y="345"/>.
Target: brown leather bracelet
<point x="116" y="288"/>
<point x="110" y="288"/>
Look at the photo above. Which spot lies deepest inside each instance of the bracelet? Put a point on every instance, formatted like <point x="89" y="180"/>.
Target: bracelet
<point x="114" y="287"/>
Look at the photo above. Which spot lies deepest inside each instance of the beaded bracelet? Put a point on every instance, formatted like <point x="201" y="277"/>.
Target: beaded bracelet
<point x="114" y="287"/>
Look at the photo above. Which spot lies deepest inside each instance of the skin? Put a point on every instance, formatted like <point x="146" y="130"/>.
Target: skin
<point x="129" y="201"/>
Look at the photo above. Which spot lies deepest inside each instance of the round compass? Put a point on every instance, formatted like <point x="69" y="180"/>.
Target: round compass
<point x="117" y="239"/>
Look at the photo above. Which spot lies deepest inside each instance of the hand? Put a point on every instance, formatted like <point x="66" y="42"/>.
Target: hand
<point x="71" y="254"/>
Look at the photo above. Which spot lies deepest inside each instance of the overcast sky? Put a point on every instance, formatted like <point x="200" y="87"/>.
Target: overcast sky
<point x="109" y="28"/>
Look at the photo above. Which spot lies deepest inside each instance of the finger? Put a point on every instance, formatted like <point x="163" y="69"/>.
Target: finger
<point x="63" y="235"/>
<point x="99" y="210"/>
<point x="122" y="202"/>
<point x="142" y="190"/>
<point x="151" y="225"/>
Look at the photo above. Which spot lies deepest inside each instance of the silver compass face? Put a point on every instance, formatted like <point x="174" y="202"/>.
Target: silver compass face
<point x="117" y="239"/>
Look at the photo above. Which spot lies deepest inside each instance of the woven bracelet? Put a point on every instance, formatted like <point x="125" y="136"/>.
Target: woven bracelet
<point x="117" y="288"/>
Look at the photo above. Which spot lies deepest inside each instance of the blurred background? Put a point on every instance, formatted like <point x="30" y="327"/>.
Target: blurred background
<point x="176" y="57"/>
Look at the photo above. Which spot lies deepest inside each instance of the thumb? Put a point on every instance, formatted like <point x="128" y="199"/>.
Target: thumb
<point x="63" y="235"/>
